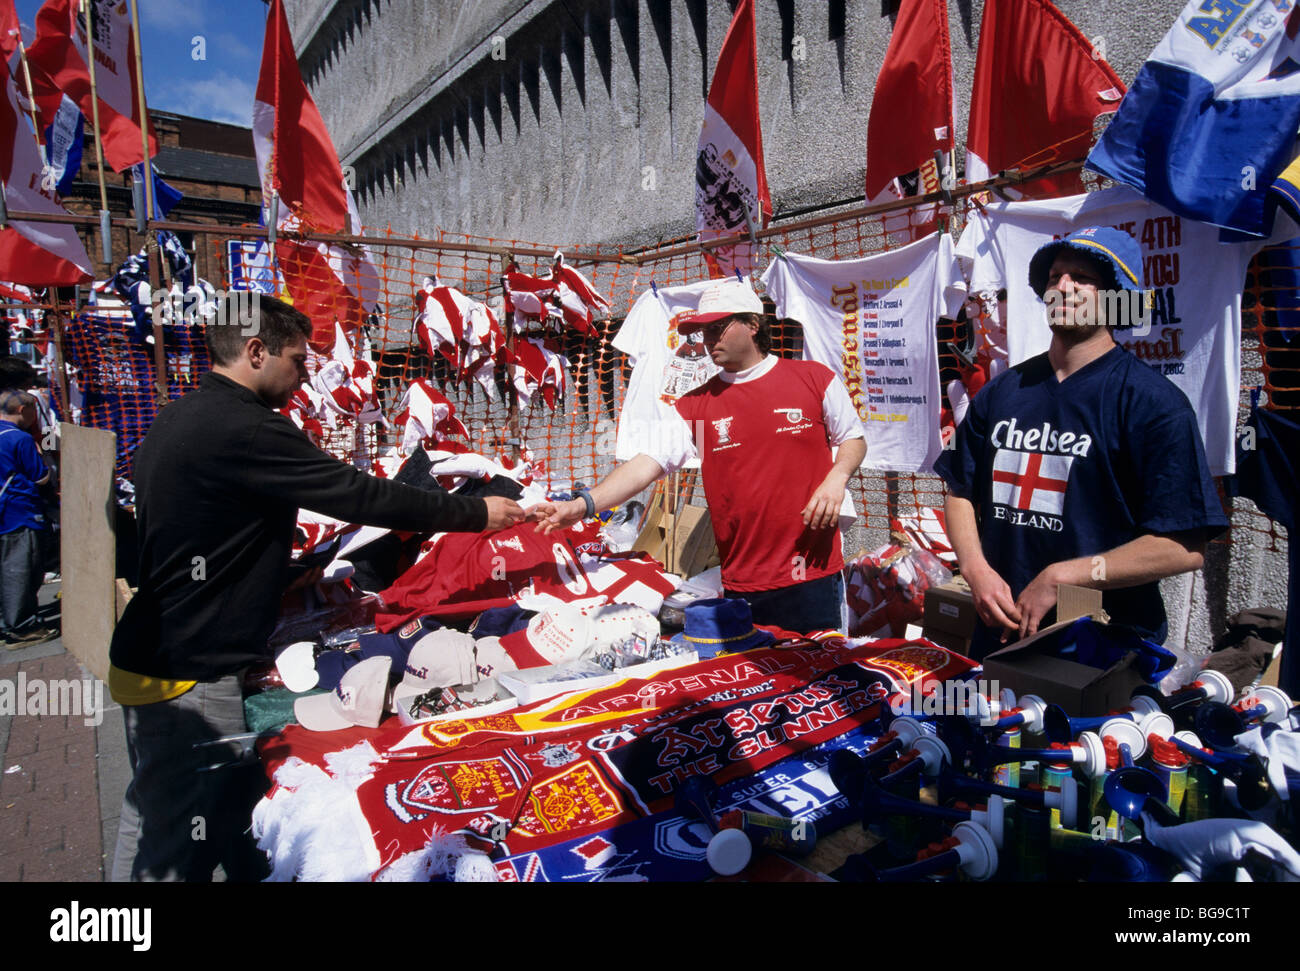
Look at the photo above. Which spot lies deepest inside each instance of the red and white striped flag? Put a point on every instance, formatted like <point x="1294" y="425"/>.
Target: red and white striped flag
<point x="911" y="116"/>
<point x="328" y="282"/>
<point x="1061" y="85"/>
<point x="730" y="183"/>
<point x="35" y="254"/>
<point x="61" y="52"/>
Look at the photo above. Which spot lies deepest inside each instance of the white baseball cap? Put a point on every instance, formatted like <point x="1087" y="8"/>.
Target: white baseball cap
<point x="440" y="659"/>
<point x="358" y="699"/>
<point x="720" y="301"/>
<point x="563" y="634"/>
<point x="443" y="658"/>
<point x="297" y="666"/>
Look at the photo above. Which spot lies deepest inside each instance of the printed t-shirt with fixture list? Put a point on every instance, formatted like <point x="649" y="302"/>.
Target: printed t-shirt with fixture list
<point x="872" y="322"/>
<point x="665" y="366"/>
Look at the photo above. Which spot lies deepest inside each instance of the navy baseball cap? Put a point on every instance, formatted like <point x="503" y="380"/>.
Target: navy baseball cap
<point x="1113" y="248"/>
<point x="332" y="665"/>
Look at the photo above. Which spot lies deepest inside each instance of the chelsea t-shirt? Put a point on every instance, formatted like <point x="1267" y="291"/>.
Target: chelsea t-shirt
<point x="1059" y="470"/>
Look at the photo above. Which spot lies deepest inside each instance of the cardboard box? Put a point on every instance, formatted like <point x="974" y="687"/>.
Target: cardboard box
<point x="953" y="642"/>
<point x="1028" y="666"/>
<point x="949" y="608"/>
<point x="681" y="540"/>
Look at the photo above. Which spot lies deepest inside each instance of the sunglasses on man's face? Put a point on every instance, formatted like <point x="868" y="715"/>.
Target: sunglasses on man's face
<point x="713" y="332"/>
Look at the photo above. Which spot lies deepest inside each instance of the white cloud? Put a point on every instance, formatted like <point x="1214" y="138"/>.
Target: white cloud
<point x="168" y="15"/>
<point x="219" y="98"/>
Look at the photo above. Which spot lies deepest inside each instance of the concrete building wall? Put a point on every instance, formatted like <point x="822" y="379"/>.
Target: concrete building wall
<point x="537" y="119"/>
<point x="576" y="122"/>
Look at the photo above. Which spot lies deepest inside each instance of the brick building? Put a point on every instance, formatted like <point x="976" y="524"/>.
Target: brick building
<point x="212" y="163"/>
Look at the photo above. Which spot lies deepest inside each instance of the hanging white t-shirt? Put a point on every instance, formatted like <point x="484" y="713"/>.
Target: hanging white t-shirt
<point x="872" y="322"/>
<point x="981" y="264"/>
<point x="1194" y="320"/>
<point x="665" y="366"/>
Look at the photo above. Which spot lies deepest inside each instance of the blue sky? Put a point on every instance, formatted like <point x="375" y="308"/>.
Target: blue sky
<point x="221" y="86"/>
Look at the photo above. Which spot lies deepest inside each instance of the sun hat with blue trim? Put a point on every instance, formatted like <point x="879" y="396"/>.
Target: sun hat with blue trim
<point x="721" y="626"/>
<point x="1115" y="249"/>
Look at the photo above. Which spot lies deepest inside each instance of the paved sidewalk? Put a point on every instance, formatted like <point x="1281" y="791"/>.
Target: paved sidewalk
<point x="61" y="775"/>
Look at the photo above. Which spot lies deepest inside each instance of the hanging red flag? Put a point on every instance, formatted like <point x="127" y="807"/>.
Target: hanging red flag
<point x="1039" y="85"/>
<point x="9" y="30"/>
<point x="61" y="52"/>
<point x="911" y="110"/>
<point x="34" y="254"/>
<point x="911" y="114"/>
<point x="294" y="150"/>
<point x="730" y="184"/>
<point x="295" y="155"/>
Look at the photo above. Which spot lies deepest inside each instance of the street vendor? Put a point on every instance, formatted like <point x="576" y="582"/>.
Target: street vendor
<point x="1081" y="465"/>
<point x="219" y="479"/>
<point x="763" y="429"/>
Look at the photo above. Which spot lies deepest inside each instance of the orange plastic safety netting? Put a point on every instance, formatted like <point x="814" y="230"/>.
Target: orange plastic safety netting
<point x="572" y="437"/>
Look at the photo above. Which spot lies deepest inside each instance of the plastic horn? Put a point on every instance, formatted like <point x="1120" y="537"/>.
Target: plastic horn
<point x="989" y="712"/>
<point x="1210" y="685"/>
<point x="970" y="848"/>
<point x="902" y="735"/>
<point x="1247" y="773"/>
<point x="951" y="784"/>
<point x="1220" y="724"/>
<point x="849" y="772"/>
<point x="960" y="736"/>
<point x="1088" y="753"/>
<point x="1266" y="704"/>
<point x="694" y="800"/>
<point x="1131" y="791"/>
<point x="1059" y="727"/>
<point x="926" y="757"/>
<point x="876" y="802"/>
<point x="1029" y="712"/>
<point x="899" y="705"/>
<point x="1128" y="738"/>
<point x="976" y="708"/>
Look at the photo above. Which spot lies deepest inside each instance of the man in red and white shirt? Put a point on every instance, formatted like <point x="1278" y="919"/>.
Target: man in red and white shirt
<point x="763" y="430"/>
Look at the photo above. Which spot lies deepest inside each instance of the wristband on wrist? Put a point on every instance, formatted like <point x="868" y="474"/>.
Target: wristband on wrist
<point x="590" y="503"/>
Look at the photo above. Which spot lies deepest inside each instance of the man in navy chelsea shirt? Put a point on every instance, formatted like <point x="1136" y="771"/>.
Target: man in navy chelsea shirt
<point x="1080" y="465"/>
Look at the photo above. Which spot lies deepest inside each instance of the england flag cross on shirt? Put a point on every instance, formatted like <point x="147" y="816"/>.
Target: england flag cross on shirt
<point x="1031" y="480"/>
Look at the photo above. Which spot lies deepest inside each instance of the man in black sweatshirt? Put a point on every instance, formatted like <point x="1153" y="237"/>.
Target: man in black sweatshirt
<point x="219" y="480"/>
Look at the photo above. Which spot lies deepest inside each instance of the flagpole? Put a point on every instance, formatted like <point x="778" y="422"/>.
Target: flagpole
<point x="31" y="96"/>
<point x="65" y="403"/>
<point x="106" y="245"/>
<point x="144" y="114"/>
<point x="152" y="249"/>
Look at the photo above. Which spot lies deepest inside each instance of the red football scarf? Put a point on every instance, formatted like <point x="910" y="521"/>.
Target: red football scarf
<point x="586" y="761"/>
